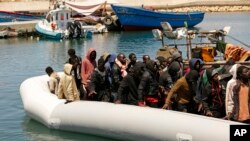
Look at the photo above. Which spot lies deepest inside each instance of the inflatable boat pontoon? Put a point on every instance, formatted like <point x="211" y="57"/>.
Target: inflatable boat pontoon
<point x="118" y="120"/>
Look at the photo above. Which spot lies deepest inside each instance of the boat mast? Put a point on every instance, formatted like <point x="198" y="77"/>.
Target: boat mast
<point x="104" y="11"/>
<point x="188" y="42"/>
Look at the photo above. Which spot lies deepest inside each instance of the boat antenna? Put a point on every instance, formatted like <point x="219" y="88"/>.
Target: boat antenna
<point x="188" y="42"/>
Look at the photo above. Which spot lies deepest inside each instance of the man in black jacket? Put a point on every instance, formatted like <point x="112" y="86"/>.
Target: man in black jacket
<point x="127" y="92"/>
<point x="99" y="85"/>
<point x="149" y="87"/>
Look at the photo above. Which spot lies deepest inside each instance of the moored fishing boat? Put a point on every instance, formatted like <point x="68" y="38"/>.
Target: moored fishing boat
<point x="58" y="24"/>
<point x="94" y="12"/>
<point x="134" y="18"/>
<point x="118" y="121"/>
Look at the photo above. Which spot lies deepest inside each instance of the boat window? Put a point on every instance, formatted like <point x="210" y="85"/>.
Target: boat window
<point x="62" y="17"/>
<point x="48" y="18"/>
<point x="56" y="16"/>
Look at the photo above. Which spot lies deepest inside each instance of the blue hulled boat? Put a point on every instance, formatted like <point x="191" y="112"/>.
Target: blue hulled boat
<point x="6" y="16"/>
<point x="135" y="18"/>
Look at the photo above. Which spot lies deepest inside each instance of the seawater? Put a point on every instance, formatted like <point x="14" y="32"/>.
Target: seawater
<point x="21" y="58"/>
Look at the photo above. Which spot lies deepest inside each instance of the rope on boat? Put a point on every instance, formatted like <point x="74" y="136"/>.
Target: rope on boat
<point x="238" y="41"/>
<point x="234" y="39"/>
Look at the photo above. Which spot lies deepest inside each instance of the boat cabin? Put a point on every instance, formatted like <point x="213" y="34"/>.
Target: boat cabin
<point x="59" y="18"/>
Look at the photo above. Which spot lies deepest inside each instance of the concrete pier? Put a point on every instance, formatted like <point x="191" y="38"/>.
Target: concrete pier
<point x="24" y="26"/>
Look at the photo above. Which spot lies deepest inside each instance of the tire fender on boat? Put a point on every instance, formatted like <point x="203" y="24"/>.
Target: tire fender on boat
<point x="108" y="20"/>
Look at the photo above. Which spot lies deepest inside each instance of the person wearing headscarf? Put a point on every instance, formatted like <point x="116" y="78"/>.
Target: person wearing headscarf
<point x="229" y="91"/>
<point x="195" y="64"/>
<point x="88" y="66"/>
<point x="122" y="64"/>
<point x="109" y="67"/>
<point x="182" y="92"/>
<point x="67" y="86"/>
<point x="119" y="69"/>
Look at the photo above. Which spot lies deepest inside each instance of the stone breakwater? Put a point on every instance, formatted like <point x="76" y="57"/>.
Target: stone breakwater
<point x="193" y="5"/>
<point x="207" y="6"/>
<point x="208" y="9"/>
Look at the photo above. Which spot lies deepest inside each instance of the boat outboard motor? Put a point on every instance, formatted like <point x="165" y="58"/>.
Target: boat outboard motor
<point x="70" y="28"/>
<point x="78" y="29"/>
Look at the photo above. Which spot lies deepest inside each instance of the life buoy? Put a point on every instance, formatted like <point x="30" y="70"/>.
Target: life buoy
<point x="108" y="20"/>
<point x="53" y="26"/>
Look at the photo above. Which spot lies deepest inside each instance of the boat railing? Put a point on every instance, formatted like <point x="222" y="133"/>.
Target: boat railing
<point x="196" y="41"/>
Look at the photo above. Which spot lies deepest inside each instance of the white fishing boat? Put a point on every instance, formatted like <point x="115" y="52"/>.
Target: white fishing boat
<point x="58" y="24"/>
<point x="118" y="121"/>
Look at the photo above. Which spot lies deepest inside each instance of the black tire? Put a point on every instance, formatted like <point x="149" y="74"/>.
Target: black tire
<point x="108" y="20"/>
<point x="70" y="27"/>
<point x="78" y="28"/>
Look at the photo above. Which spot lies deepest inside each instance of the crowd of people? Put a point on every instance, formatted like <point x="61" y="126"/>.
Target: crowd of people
<point x="216" y="91"/>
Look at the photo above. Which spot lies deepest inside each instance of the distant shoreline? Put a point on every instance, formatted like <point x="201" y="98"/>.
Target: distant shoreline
<point x="232" y="6"/>
<point x="42" y="6"/>
<point x="205" y="6"/>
